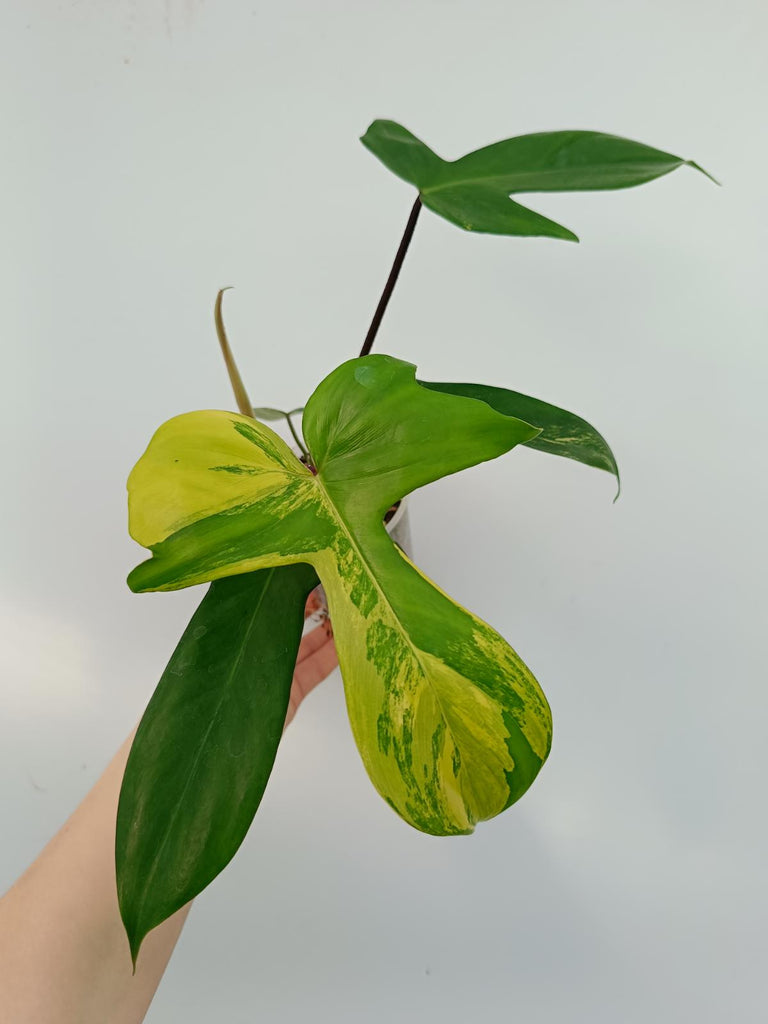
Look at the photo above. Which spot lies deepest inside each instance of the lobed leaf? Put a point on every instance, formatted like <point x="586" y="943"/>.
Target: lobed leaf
<point x="451" y="725"/>
<point x="473" y="192"/>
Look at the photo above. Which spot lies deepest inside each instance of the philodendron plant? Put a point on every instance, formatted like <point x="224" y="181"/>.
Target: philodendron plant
<point x="451" y="725"/>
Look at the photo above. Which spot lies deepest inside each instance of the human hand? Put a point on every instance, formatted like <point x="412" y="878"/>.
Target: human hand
<point x="316" y="658"/>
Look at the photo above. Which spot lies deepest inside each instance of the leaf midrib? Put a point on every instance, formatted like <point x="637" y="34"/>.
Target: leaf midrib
<point x="404" y="632"/>
<point x="490" y="178"/>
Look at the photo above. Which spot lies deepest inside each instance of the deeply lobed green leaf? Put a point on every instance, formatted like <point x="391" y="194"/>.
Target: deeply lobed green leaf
<point x="473" y="192"/>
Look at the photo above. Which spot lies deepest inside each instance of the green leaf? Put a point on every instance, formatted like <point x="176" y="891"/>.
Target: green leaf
<point x="562" y="433"/>
<point x="275" y="414"/>
<point x="474" y="192"/>
<point x="270" y="414"/>
<point x="206" y="744"/>
<point x="451" y="725"/>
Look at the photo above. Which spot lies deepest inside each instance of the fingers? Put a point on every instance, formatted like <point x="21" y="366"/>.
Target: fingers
<point x="313" y="641"/>
<point x="315" y="668"/>
<point x="317" y="659"/>
<point x="314" y="604"/>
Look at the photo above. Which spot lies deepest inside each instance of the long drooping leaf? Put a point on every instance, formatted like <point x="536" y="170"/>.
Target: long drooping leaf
<point x="206" y="744"/>
<point x="451" y="725"/>
<point x="474" y="192"/>
<point x="562" y="433"/>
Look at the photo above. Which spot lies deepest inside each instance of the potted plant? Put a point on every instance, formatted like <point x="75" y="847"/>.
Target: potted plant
<point x="451" y="724"/>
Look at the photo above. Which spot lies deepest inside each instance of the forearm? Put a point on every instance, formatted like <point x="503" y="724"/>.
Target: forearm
<point x="64" y="956"/>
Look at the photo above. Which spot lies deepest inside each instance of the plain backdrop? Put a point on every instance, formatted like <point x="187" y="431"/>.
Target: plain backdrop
<point x="155" y="152"/>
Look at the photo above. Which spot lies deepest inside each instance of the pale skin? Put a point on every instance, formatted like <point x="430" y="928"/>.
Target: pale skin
<point x="64" y="956"/>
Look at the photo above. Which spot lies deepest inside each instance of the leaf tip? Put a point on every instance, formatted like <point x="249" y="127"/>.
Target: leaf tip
<point x="135" y="945"/>
<point x="559" y="232"/>
<point x="365" y="138"/>
<point x="704" y="171"/>
<point x="615" y="471"/>
<point x="134" y="935"/>
<point x="132" y="582"/>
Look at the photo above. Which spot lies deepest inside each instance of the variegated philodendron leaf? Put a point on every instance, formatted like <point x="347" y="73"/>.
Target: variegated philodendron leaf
<point x="451" y="725"/>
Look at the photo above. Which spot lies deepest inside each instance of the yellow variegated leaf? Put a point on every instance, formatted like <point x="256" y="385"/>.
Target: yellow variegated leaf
<point x="451" y="725"/>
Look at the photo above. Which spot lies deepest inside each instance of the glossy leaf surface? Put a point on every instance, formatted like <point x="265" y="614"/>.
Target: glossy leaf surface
<point x="473" y="192"/>
<point x="206" y="745"/>
<point x="562" y="433"/>
<point x="451" y="725"/>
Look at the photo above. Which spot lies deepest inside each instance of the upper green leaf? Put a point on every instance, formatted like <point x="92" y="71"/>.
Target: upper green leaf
<point x="562" y="432"/>
<point x="451" y="725"/>
<point x="473" y="192"/>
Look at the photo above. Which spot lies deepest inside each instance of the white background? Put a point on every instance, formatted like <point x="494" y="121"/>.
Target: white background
<point x="156" y="152"/>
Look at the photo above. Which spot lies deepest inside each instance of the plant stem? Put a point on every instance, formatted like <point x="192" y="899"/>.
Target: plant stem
<point x="241" y="395"/>
<point x="389" y="287"/>
<point x="296" y="436"/>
